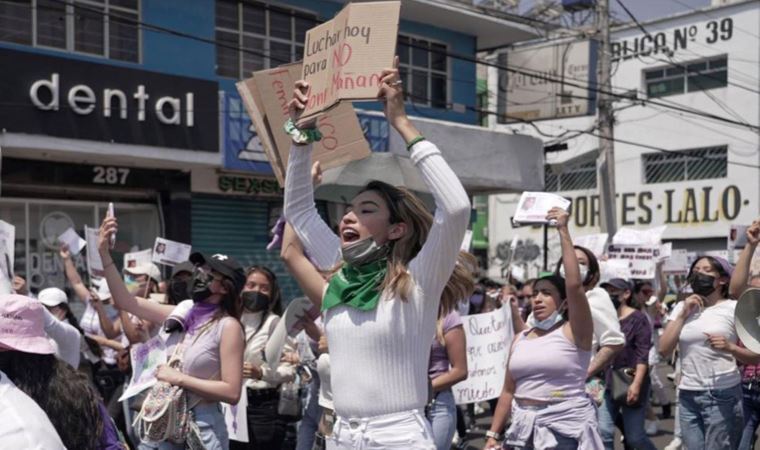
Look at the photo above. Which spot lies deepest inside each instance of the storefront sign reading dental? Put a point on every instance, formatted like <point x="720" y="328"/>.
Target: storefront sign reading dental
<point x="47" y="95"/>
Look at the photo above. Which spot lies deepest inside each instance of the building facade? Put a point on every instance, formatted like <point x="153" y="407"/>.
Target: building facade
<point x="692" y="172"/>
<point x="133" y="102"/>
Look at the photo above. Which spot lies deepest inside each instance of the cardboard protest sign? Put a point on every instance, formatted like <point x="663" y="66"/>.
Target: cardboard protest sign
<point x="94" y="263"/>
<point x="170" y="253"/>
<point x="597" y="243"/>
<point x="236" y="419"/>
<point x="7" y="248"/>
<point x="266" y="95"/>
<point x="489" y="337"/>
<point x="642" y="259"/>
<point x="146" y="358"/>
<point x="138" y="258"/>
<point x="72" y="240"/>
<point x="533" y="207"/>
<point x="344" y="57"/>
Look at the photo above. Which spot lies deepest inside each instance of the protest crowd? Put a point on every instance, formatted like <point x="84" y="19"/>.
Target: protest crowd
<point x="378" y="351"/>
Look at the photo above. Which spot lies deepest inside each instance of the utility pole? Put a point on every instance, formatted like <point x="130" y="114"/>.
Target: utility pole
<point x="605" y="166"/>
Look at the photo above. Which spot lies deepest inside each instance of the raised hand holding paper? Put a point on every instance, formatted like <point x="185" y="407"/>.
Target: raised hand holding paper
<point x="169" y="252"/>
<point x="343" y="58"/>
<point x="138" y="258"/>
<point x="72" y="240"/>
<point x="533" y="207"/>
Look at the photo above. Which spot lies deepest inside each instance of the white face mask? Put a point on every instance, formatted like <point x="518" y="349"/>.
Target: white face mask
<point x="581" y="267"/>
<point x="549" y="322"/>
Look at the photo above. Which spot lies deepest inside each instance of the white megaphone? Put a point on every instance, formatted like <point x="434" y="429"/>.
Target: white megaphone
<point x="747" y="317"/>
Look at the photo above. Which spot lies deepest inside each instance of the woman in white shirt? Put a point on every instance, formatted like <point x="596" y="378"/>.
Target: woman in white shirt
<point x="704" y="329"/>
<point x="262" y="308"/>
<point x="380" y="308"/>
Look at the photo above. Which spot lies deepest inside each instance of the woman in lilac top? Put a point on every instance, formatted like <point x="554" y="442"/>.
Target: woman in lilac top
<point x="448" y="366"/>
<point x="211" y="343"/>
<point x="634" y="356"/>
<point x="544" y="388"/>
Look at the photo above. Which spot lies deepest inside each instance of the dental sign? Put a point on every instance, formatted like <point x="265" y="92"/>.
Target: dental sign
<point x="53" y="96"/>
<point x="83" y="100"/>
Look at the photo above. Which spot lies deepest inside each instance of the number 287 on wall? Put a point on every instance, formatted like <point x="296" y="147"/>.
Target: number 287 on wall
<point x="110" y="175"/>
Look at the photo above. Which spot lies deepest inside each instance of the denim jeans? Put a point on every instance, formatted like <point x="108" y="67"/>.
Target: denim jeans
<point x="633" y="422"/>
<point x="563" y="443"/>
<point x="751" y="407"/>
<point x="307" y="428"/>
<point x="442" y="416"/>
<point x="711" y="419"/>
<point x="210" y="421"/>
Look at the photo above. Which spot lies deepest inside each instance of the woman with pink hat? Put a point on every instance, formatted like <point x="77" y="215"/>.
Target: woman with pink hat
<point x="27" y="360"/>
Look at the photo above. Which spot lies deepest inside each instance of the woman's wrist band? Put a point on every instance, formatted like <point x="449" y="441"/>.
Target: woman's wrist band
<point x="414" y="141"/>
<point x="302" y="137"/>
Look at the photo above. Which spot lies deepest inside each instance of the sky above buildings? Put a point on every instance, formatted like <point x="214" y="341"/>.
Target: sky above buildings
<point x="643" y="9"/>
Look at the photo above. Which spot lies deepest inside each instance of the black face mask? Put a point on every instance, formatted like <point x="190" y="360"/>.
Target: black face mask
<point x="615" y="300"/>
<point x="202" y="286"/>
<point x="702" y="284"/>
<point x="255" y="301"/>
<point x="179" y="290"/>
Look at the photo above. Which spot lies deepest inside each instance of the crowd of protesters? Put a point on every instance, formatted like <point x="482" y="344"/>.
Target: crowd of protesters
<point x="374" y="369"/>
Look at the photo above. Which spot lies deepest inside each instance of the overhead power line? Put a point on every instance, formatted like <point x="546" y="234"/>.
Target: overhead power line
<point x="455" y="55"/>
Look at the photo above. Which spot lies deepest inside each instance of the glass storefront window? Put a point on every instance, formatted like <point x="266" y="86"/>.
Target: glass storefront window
<point x="39" y="223"/>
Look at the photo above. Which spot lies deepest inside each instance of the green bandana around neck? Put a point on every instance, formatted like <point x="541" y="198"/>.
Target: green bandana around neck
<point x="356" y="286"/>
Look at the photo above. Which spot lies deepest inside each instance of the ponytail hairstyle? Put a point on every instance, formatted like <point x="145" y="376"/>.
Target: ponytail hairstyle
<point x="406" y="207"/>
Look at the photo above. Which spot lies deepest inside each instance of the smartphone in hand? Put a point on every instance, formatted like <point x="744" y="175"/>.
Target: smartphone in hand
<point x="111" y="214"/>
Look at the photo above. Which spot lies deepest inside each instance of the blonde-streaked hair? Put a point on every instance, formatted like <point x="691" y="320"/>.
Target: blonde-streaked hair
<point x="405" y="207"/>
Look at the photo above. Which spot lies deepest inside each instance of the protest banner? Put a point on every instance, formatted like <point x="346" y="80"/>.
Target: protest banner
<point x="138" y="258"/>
<point x="489" y="338"/>
<point x="7" y="248"/>
<point x="236" y="419"/>
<point x="678" y="263"/>
<point x="170" y="253"/>
<point x="666" y="250"/>
<point x="266" y="95"/>
<point x="533" y="207"/>
<point x="642" y="258"/>
<point x="94" y="263"/>
<point x="344" y="57"/>
<point x="614" y="268"/>
<point x="737" y="239"/>
<point x="597" y="243"/>
<point x="72" y="240"/>
<point x="146" y="357"/>
<point x="629" y="236"/>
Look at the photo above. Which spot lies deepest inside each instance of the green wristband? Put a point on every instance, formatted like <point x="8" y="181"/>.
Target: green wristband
<point x="414" y="141"/>
<point x="301" y="137"/>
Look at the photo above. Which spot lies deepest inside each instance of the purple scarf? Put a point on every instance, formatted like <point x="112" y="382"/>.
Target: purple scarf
<point x="199" y="315"/>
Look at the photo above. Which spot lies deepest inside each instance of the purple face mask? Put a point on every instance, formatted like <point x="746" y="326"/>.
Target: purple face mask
<point x="476" y="300"/>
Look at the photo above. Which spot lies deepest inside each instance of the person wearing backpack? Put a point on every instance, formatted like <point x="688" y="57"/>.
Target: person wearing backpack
<point x="204" y="343"/>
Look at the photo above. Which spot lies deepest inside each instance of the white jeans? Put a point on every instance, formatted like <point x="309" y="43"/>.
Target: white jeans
<point x="404" y="430"/>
